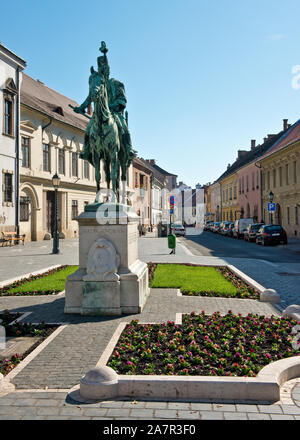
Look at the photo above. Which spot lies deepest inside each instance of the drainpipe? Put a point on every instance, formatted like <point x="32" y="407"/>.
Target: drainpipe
<point x="47" y="125"/>
<point x="17" y="152"/>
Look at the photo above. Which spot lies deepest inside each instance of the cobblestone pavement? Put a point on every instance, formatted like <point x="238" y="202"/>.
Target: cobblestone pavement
<point x="54" y="405"/>
<point x="42" y="386"/>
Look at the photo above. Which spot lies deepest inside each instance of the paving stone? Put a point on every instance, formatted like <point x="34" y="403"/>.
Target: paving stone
<point x="48" y="411"/>
<point x="247" y="408"/>
<point x="94" y="412"/>
<point x="165" y="413"/>
<point x="5" y="401"/>
<point x="131" y="405"/>
<point x="117" y="412"/>
<point x="71" y="410"/>
<point x="49" y="402"/>
<point x="281" y="417"/>
<point x="290" y="409"/>
<point x="33" y="417"/>
<point x="80" y="418"/>
<point x="156" y="405"/>
<point x="235" y="415"/>
<point x="188" y="414"/>
<point x="24" y="402"/>
<point x="211" y="415"/>
<point x="223" y="407"/>
<point x="201" y="406"/>
<point x="145" y="413"/>
<point x="8" y="417"/>
<point x="270" y="409"/>
<point x="258" y="416"/>
<point x="179" y="405"/>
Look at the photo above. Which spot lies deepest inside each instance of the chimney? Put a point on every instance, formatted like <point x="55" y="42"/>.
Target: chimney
<point x="271" y="135"/>
<point x="265" y="139"/>
<point x="253" y="142"/>
<point x="289" y="125"/>
<point x="228" y="166"/>
<point x="151" y="161"/>
<point x="90" y="110"/>
<point x="285" y="124"/>
<point x="241" y="153"/>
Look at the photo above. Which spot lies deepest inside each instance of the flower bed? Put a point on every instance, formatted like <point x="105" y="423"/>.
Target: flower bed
<point x="6" y="317"/>
<point x="19" y="329"/>
<point x="237" y="288"/>
<point x="47" y="283"/>
<point x="204" y="345"/>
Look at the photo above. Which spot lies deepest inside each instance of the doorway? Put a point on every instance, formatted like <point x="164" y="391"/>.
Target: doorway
<point x="50" y="211"/>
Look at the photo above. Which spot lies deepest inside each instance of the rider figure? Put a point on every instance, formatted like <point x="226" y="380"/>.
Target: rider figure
<point x="116" y="102"/>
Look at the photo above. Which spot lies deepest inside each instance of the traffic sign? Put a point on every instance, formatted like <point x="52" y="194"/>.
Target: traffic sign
<point x="171" y="211"/>
<point x="271" y="207"/>
<point x="208" y="214"/>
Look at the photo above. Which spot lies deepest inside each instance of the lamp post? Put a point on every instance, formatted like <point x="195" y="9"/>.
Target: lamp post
<point x="55" y="183"/>
<point x="271" y="198"/>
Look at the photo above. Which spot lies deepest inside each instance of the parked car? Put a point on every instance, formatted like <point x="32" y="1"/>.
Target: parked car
<point x="240" y="226"/>
<point x="269" y="234"/>
<point x="207" y="225"/>
<point x="251" y="231"/>
<point x="229" y="232"/>
<point x="178" y="229"/>
<point x="224" y="227"/>
<point x="215" y="227"/>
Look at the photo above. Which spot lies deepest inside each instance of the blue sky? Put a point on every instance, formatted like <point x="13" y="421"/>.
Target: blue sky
<point x="202" y="78"/>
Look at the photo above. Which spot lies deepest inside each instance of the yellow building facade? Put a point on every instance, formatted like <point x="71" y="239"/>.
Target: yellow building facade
<point x="229" y="197"/>
<point x="281" y="176"/>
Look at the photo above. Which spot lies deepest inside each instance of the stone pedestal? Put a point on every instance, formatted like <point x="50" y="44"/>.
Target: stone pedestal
<point x="111" y="280"/>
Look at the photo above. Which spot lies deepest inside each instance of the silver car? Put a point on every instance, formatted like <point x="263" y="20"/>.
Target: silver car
<point x="178" y="229"/>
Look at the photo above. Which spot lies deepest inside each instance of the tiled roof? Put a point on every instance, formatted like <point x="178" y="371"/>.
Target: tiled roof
<point x="37" y="95"/>
<point x="290" y="136"/>
<point x="252" y="155"/>
<point x="154" y="171"/>
<point x="162" y="171"/>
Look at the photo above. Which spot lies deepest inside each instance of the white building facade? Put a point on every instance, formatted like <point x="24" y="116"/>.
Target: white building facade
<point x="11" y="67"/>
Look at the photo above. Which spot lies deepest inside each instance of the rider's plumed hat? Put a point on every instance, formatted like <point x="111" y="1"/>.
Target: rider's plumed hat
<point x="102" y="60"/>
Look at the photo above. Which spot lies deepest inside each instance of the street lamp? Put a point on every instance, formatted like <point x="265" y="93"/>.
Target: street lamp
<point x="55" y="183"/>
<point x="271" y="198"/>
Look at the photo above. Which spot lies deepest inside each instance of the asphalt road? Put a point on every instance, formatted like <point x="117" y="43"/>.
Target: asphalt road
<point x="216" y="245"/>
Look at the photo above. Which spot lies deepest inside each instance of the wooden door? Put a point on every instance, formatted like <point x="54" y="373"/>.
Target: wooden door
<point x="50" y="211"/>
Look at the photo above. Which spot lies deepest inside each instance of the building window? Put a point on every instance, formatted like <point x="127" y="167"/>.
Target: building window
<point x="287" y="174"/>
<point x="230" y="194"/>
<point x="274" y="178"/>
<point x="8" y="117"/>
<point x="296" y="216"/>
<point x="46" y="158"/>
<point x="86" y="169"/>
<point x="8" y="187"/>
<point x="61" y="161"/>
<point x="268" y="177"/>
<point x="257" y="179"/>
<point x="74" y="209"/>
<point x="288" y="215"/>
<point x="227" y="198"/>
<point x="280" y="176"/>
<point x="247" y="183"/>
<point x="234" y="192"/>
<point x="74" y="164"/>
<point x="25" y="146"/>
<point x="136" y="183"/>
<point x="24" y="209"/>
<point x="242" y="184"/>
<point x="295" y="172"/>
<point x="253" y="184"/>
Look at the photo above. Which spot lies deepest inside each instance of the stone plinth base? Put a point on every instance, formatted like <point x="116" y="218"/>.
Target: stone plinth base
<point x="111" y="280"/>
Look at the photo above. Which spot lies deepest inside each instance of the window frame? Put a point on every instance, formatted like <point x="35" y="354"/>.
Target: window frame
<point x="74" y="209"/>
<point x="48" y="168"/>
<point x="74" y="163"/>
<point x="24" y="209"/>
<point x="26" y="146"/>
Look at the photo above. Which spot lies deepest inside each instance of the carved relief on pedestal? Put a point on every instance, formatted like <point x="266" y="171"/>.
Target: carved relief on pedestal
<point x="102" y="262"/>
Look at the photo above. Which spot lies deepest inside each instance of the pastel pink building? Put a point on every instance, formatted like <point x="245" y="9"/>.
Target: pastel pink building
<point x="249" y="195"/>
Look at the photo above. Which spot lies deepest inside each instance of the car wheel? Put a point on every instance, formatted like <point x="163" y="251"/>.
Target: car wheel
<point x="257" y="241"/>
<point x="263" y="243"/>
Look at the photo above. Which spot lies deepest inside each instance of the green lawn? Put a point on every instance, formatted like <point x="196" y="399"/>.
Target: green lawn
<point x="191" y="278"/>
<point x="54" y="282"/>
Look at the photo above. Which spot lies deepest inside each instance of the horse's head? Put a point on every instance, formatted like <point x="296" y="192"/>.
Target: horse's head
<point x="97" y="87"/>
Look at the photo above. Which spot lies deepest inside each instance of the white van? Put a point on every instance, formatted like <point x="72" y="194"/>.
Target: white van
<point x="240" y="226"/>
